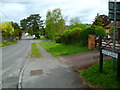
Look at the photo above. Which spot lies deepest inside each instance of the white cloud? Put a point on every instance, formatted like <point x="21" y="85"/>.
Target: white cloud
<point x="85" y="9"/>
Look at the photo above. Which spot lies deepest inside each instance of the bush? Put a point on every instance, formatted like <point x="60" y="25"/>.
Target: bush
<point x="37" y="35"/>
<point x="69" y="36"/>
<point x="99" y="30"/>
<point x="65" y="37"/>
<point x="83" y="35"/>
<point x="73" y="31"/>
<point x="82" y="26"/>
<point x="58" y="39"/>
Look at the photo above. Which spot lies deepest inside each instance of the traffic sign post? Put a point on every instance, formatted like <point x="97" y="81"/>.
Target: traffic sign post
<point x="114" y="15"/>
<point x="118" y="68"/>
<point x="112" y="54"/>
<point x="114" y="7"/>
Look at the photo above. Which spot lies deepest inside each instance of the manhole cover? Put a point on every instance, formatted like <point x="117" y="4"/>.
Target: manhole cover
<point x="36" y="72"/>
<point x="11" y="79"/>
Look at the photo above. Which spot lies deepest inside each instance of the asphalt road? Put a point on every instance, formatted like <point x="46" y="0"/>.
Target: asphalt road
<point x="13" y="59"/>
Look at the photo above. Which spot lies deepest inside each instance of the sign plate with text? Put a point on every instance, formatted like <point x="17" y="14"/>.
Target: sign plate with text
<point x="109" y="53"/>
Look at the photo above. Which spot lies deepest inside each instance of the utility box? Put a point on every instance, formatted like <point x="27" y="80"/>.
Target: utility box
<point x="91" y="41"/>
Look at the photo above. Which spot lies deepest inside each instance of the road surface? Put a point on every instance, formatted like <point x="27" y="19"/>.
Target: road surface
<point x="13" y="59"/>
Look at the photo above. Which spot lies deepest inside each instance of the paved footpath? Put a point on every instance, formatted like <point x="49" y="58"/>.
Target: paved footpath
<point x="48" y="72"/>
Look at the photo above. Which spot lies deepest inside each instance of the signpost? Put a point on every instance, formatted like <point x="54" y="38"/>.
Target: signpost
<point x="114" y="15"/>
<point x="112" y="54"/>
<point x="114" y="7"/>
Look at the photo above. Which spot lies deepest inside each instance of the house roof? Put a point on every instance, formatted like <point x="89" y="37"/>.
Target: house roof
<point x="112" y="24"/>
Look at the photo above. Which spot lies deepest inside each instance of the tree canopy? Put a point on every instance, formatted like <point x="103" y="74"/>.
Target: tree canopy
<point x="6" y="28"/>
<point x="17" y="30"/>
<point x="101" y="20"/>
<point x="32" y="24"/>
<point x="55" y="24"/>
<point x="75" y="20"/>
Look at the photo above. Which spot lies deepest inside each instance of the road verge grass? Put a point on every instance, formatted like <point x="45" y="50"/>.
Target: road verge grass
<point x="35" y="51"/>
<point x="59" y="49"/>
<point x="107" y="79"/>
<point x="5" y="43"/>
<point x="41" y="39"/>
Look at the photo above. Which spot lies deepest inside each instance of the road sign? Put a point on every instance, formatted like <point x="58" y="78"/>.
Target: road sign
<point x="111" y="11"/>
<point x="111" y="5"/>
<point x="111" y="16"/>
<point x="109" y="53"/>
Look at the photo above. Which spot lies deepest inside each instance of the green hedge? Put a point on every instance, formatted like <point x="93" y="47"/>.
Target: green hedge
<point x="78" y="35"/>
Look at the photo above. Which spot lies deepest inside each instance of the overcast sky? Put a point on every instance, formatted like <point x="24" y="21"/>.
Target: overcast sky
<point x="86" y="10"/>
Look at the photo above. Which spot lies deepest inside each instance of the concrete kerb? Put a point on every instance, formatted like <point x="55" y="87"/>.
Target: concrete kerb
<point x="21" y="75"/>
<point x="19" y="85"/>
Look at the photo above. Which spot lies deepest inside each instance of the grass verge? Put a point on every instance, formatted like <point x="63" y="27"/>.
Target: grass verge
<point x="40" y="39"/>
<point x="107" y="79"/>
<point x="58" y="49"/>
<point x="35" y="51"/>
<point x="5" y="43"/>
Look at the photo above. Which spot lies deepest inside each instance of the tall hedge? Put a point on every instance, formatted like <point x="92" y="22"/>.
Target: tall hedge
<point x="83" y="35"/>
<point x="69" y="36"/>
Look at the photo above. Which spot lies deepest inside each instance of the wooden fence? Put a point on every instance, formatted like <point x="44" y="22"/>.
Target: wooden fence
<point x="105" y="47"/>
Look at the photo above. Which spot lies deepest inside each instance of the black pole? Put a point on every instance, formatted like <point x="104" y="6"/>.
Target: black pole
<point x="101" y="61"/>
<point x="118" y="68"/>
<point x="100" y="42"/>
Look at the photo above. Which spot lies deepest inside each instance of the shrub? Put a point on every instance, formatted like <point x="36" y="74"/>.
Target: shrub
<point x="99" y="30"/>
<point x="82" y="26"/>
<point x="65" y="37"/>
<point x="74" y="31"/>
<point x="83" y="35"/>
<point x="69" y="36"/>
<point x="58" y="39"/>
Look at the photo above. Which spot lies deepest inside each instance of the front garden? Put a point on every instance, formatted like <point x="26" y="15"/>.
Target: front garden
<point x="6" y="43"/>
<point x="60" y="49"/>
<point x="107" y="79"/>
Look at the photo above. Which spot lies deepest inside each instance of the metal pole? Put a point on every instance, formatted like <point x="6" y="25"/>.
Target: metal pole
<point x="118" y="68"/>
<point x="114" y="32"/>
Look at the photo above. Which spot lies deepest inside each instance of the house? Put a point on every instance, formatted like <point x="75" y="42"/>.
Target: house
<point x="108" y="27"/>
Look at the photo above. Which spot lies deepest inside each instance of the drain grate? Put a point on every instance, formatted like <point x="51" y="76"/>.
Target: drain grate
<point x="36" y="72"/>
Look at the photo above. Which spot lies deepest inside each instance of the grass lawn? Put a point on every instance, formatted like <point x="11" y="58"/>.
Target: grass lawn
<point x="2" y="44"/>
<point x="35" y="51"/>
<point x="58" y="49"/>
<point x="40" y="39"/>
<point x="107" y="79"/>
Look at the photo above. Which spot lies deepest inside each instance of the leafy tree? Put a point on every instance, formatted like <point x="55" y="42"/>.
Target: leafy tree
<point x="97" y="21"/>
<point x="55" y="24"/>
<point x="74" y="21"/>
<point x="101" y="20"/>
<point x="18" y="32"/>
<point x="99" y="30"/>
<point x="82" y="26"/>
<point x="7" y="30"/>
<point x="105" y="20"/>
<point x="32" y="24"/>
<point x="83" y="35"/>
